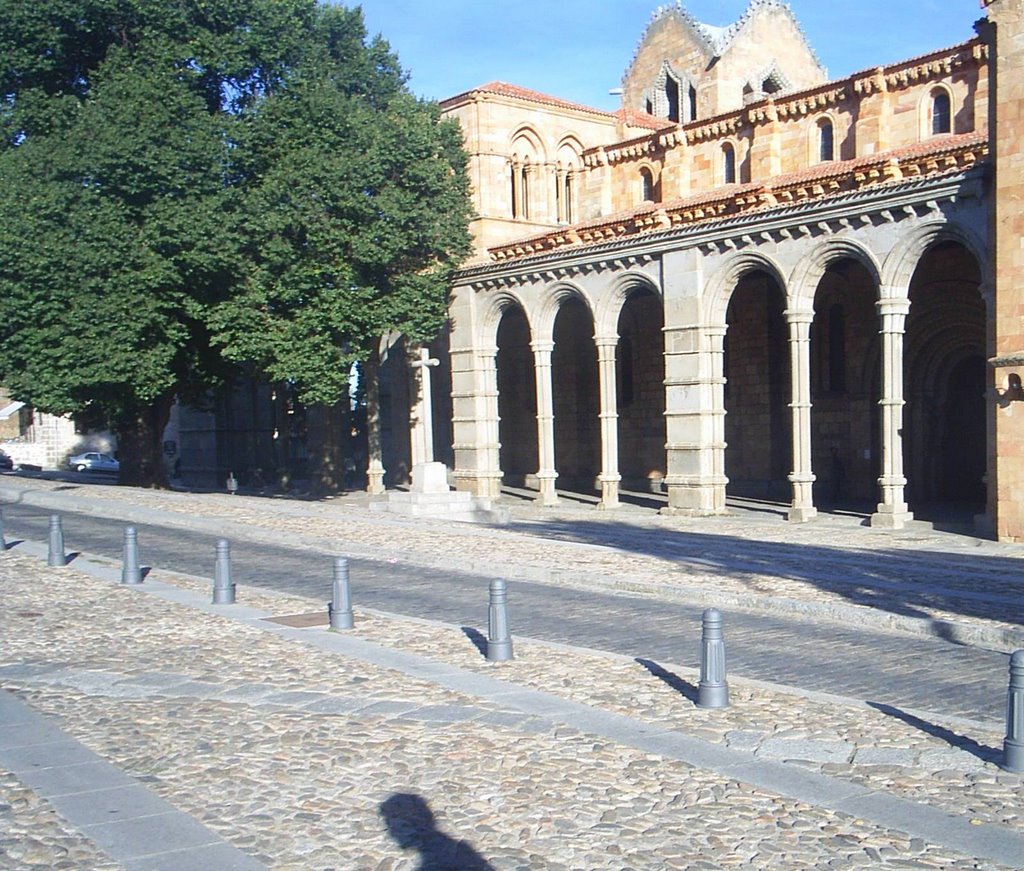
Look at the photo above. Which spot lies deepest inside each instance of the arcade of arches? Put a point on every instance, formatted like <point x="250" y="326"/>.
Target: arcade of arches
<point x="820" y="387"/>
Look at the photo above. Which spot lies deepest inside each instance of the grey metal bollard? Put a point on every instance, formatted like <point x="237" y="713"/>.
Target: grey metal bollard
<point x="499" y="640"/>
<point x="1013" y="746"/>
<point x="56" y="557"/>
<point x="131" y="573"/>
<point x="223" y="589"/>
<point x="339" y="609"/>
<point x="713" y="691"/>
<point x="3" y="541"/>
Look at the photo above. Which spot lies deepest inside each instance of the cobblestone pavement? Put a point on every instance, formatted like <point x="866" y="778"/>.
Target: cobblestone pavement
<point x="306" y="758"/>
<point x="860" y="661"/>
<point x="917" y="579"/>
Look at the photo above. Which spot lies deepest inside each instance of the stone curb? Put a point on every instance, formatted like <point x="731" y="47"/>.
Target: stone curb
<point x="961" y="632"/>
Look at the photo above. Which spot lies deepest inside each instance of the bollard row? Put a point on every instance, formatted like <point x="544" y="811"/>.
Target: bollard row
<point x="712" y="690"/>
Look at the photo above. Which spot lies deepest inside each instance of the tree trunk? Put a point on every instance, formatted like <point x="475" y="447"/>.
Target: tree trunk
<point x="140" y="446"/>
<point x="326" y="448"/>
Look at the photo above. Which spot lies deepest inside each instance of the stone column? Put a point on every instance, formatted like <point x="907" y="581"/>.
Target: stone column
<point x="490" y="450"/>
<point x="892" y="512"/>
<point x="546" y="474"/>
<point x="695" y="420"/>
<point x="609" y="476"/>
<point x="802" y="476"/>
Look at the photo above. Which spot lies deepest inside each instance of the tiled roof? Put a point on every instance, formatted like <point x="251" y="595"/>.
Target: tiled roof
<point x="504" y="89"/>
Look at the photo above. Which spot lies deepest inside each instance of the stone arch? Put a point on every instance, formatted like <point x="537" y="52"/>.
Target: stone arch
<point x="946" y="415"/>
<point x="496" y="306"/>
<point x="569" y="152"/>
<point x="526" y="144"/>
<point x="902" y="262"/>
<point x="566" y="320"/>
<point x="606" y="314"/>
<point x="805" y="278"/>
<point x="633" y="312"/>
<point x="516" y="399"/>
<point x="543" y="321"/>
<point x="723" y="283"/>
<point x="757" y="383"/>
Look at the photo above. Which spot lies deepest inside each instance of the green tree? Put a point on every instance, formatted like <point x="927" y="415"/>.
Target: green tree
<point x="356" y="202"/>
<point x="190" y="186"/>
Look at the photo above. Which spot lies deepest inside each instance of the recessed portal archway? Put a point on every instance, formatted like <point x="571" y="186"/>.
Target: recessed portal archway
<point x="517" y="400"/>
<point x="576" y="398"/>
<point x="758" y="428"/>
<point x="845" y="380"/>
<point x="945" y="379"/>
<point x="640" y="392"/>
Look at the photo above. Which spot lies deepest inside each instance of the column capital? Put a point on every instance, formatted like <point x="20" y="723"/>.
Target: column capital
<point x="606" y="341"/>
<point x="540" y="346"/>
<point x="890" y="305"/>
<point x="798" y="316"/>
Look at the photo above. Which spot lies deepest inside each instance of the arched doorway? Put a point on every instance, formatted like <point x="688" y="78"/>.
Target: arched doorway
<point x="576" y="398"/>
<point x="945" y="380"/>
<point x="758" y="426"/>
<point x="845" y="378"/>
<point x="640" y="392"/>
<point x="517" y="400"/>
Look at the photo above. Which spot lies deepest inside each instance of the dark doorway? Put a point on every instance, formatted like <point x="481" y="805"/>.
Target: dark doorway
<point x="576" y="402"/>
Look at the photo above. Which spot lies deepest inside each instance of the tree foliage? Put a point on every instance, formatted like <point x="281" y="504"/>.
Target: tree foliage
<point x="189" y="186"/>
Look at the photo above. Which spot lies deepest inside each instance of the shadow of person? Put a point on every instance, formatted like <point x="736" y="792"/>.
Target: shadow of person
<point x="410" y="823"/>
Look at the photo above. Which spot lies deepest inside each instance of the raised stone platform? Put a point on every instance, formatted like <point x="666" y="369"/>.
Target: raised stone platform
<point x="430" y="496"/>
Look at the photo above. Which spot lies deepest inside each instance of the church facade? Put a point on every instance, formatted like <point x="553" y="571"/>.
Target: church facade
<point x="751" y="280"/>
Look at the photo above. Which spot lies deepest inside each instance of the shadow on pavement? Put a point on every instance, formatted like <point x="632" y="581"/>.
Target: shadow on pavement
<point x="911" y="583"/>
<point x="411" y="824"/>
<point x="686" y="689"/>
<point x="960" y="742"/>
<point x="477" y="637"/>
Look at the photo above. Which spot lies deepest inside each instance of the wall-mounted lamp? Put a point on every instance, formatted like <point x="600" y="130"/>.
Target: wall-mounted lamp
<point x="1011" y="391"/>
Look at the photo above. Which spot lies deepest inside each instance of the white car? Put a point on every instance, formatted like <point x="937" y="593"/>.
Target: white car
<point x="93" y="462"/>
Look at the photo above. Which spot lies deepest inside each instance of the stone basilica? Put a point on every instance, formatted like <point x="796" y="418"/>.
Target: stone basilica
<point x="751" y="281"/>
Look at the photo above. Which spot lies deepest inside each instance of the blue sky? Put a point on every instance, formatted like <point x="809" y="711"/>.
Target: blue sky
<point x="579" y="49"/>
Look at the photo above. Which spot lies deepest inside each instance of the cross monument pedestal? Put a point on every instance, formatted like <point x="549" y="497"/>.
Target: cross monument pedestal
<point x="430" y="495"/>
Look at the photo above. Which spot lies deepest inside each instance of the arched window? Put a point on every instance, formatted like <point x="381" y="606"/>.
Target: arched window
<point x="728" y="164"/>
<point x="520" y="181"/>
<point x="826" y="140"/>
<point x="648" y="189"/>
<point x="672" y="98"/>
<point x="691" y="114"/>
<point x="942" y="115"/>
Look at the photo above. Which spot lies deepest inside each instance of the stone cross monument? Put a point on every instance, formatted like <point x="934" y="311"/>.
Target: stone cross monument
<point x="427" y="476"/>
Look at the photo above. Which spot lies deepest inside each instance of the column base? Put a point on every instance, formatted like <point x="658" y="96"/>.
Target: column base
<point x="801" y="514"/>
<point x="609" y="495"/>
<point x="890" y="519"/>
<point x="547" y="496"/>
<point x="429" y="478"/>
<point x="695" y="498"/>
<point x="375" y="479"/>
